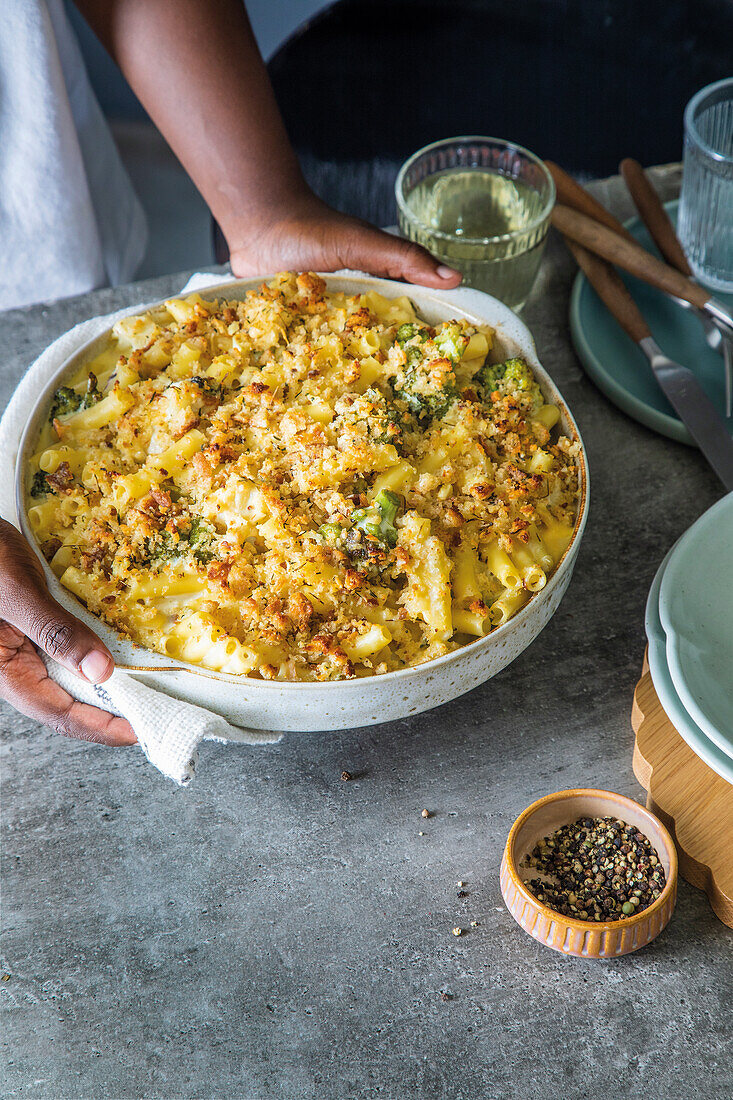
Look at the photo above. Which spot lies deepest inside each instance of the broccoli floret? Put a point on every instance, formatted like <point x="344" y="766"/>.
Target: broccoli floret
<point x="413" y="356"/>
<point x="200" y="539"/>
<point x="207" y="385"/>
<point x="375" y="415"/>
<point x="427" y="383"/>
<point x="368" y="554"/>
<point x="330" y="532"/>
<point x="451" y="342"/>
<point x="510" y="376"/>
<point x="388" y="505"/>
<point x="426" y="401"/>
<point x="408" y="331"/>
<point x="163" y="547"/>
<point x="373" y="532"/>
<point x="386" y="422"/>
<point x="378" y="520"/>
<point x="489" y="376"/>
<point x="518" y="373"/>
<point x="514" y="374"/>
<point x="39" y="485"/>
<point x="92" y="393"/>
<point x="66" y="400"/>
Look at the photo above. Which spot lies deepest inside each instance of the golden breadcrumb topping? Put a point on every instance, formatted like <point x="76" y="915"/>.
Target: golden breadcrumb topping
<point x="302" y="484"/>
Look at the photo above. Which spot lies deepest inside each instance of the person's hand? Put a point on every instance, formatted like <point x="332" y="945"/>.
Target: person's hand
<point x="30" y="618"/>
<point x="305" y="234"/>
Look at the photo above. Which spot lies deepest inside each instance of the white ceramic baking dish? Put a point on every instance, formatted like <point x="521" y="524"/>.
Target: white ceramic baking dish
<point x="272" y="705"/>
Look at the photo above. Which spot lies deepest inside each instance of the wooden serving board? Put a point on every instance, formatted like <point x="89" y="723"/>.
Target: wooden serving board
<point x="694" y="803"/>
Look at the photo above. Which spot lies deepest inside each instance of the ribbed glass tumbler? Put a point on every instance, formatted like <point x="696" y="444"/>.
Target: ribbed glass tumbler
<point x="705" y="219"/>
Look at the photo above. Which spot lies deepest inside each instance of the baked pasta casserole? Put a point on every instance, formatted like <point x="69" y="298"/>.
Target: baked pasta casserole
<point x="302" y="485"/>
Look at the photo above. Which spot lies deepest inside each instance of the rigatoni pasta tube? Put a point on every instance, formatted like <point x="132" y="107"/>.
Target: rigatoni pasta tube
<point x="104" y="412"/>
<point x="506" y="606"/>
<point x="502" y="566"/>
<point x="173" y="457"/>
<point x="469" y="622"/>
<point x="534" y="577"/>
<point x="365" y="645"/>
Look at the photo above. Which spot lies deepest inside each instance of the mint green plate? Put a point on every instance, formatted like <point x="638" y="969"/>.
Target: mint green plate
<point x="696" y="613"/>
<point x="621" y="370"/>
<point x="701" y="745"/>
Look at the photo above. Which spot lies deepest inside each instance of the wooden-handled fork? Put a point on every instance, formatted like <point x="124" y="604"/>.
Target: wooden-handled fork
<point x="571" y="193"/>
<point x="654" y="216"/>
<point x="581" y="219"/>
<point x="631" y="257"/>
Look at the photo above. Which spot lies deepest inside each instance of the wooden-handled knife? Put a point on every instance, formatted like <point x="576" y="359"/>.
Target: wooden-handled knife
<point x="682" y="389"/>
<point x="630" y="256"/>
<point x="684" y="392"/>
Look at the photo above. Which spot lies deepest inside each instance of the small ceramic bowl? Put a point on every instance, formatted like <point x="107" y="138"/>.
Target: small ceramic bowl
<point x="585" y="939"/>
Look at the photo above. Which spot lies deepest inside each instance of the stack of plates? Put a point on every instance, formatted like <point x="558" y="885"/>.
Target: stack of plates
<point x="689" y="624"/>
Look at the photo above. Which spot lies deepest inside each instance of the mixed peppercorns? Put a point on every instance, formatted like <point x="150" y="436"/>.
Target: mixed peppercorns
<point x="599" y="869"/>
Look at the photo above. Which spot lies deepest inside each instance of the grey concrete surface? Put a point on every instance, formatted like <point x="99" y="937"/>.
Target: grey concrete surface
<point x="273" y="932"/>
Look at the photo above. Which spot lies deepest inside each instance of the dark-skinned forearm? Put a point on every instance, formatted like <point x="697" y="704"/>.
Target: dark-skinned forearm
<point x="196" y="68"/>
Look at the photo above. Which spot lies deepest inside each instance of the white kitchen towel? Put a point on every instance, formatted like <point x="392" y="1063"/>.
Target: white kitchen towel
<point x="167" y="730"/>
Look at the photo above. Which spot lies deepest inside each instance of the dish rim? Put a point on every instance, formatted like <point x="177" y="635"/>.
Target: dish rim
<point x="164" y="664"/>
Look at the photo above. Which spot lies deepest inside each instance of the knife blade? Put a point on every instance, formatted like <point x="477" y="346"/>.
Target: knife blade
<point x="728" y="360"/>
<point x="694" y="408"/>
<point x="684" y="392"/>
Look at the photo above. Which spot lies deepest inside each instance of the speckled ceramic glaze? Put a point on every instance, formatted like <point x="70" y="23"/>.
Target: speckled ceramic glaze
<point x="586" y="939"/>
<point x="265" y="704"/>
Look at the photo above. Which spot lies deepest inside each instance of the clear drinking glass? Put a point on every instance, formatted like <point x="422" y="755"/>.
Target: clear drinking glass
<point x="705" y="219"/>
<point x="481" y="205"/>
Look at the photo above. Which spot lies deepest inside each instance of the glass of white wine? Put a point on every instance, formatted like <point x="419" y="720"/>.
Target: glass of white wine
<point x="482" y="205"/>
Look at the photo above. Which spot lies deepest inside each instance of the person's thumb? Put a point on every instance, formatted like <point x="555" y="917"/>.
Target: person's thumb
<point x="379" y="253"/>
<point x="26" y="604"/>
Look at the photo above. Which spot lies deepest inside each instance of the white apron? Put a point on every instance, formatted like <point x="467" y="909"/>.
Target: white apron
<point x="69" y="219"/>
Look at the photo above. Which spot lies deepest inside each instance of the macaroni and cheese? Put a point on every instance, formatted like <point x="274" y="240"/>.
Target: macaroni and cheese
<point x="302" y="485"/>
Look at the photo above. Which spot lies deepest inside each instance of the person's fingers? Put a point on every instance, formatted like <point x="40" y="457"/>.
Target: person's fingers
<point x="26" y="604"/>
<point x="26" y="685"/>
<point x="88" y="723"/>
<point x="315" y="236"/>
<point x="379" y="253"/>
